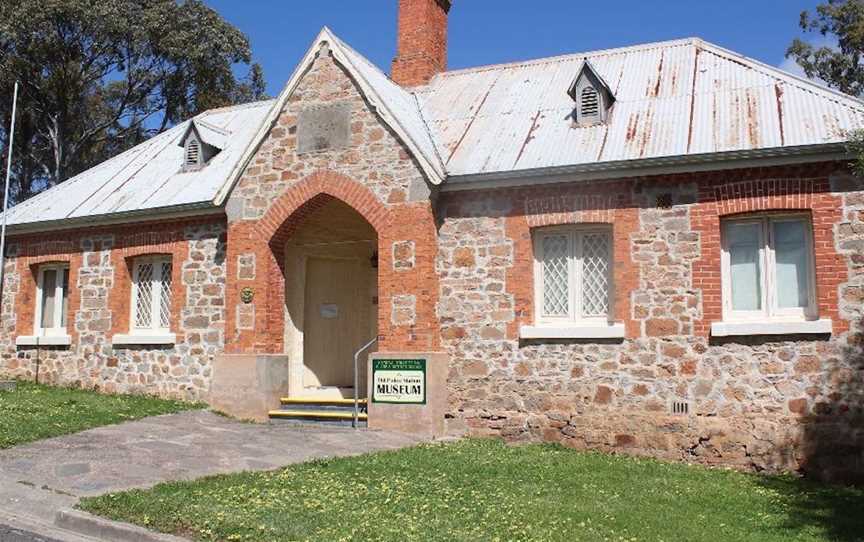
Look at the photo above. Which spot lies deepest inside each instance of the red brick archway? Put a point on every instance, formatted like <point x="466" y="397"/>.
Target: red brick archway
<point x="261" y="328"/>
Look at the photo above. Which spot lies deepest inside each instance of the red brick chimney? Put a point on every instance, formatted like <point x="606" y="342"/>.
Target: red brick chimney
<point x="422" y="44"/>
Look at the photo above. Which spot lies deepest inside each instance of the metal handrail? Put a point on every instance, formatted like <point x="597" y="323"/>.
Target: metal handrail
<point x="357" y="380"/>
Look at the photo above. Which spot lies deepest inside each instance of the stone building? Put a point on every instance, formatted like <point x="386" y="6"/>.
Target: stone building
<point x="656" y="249"/>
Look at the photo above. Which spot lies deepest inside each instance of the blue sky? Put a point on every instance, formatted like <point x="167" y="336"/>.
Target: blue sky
<point x="493" y="31"/>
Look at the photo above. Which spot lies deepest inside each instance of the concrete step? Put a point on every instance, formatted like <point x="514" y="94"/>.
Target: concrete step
<point x="315" y="401"/>
<point x="319" y="416"/>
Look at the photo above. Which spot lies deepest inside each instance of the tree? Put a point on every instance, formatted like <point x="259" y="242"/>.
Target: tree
<point x="100" y="76"/>
<point x="840" y="67"/>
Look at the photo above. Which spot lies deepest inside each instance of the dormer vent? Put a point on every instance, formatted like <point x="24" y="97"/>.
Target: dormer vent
<point x="590" y="103"/>
<point x="193" y="153"/>
<point x="591" y="95"/>
<point x="201" y="142"/>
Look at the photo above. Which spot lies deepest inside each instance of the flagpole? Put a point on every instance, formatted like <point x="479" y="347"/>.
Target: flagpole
<point x="6" y="190"/>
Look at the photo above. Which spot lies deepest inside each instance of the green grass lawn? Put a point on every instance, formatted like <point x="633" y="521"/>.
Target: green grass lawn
<point x="34" y="411"/>
<point x="485" y="490"/>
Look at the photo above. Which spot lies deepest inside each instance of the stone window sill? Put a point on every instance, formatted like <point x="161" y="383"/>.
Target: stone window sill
<point x="133" y="339"/>
<point x="769" y="327"/>
<point x="43" y="340"/>
<point x="576" y="331"/>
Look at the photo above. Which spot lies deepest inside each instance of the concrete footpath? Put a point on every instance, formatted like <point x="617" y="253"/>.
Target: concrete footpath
<point x="41" y="479"/>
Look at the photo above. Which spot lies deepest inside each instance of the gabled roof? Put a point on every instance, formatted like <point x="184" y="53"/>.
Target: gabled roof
<point x="684" y="102"/>
<point x="396" y="106"/>
<point x="150" y="175"/>
<point x="673" y="99"/>
<point x="208" y="133"/>
<point x="587" y="67"/>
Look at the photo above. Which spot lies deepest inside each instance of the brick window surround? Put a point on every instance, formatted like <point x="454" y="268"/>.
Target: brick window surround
<point x="266" y="239"/>
<point x="121" y="294"/>
<point x="28" y="270"/>
<point x="724" y="199"/>
<point x="536" y="208"/>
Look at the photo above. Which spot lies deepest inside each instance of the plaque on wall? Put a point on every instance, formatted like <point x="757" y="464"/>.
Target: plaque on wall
<point x="329" y="311"/>
<point x="323" y="127"/>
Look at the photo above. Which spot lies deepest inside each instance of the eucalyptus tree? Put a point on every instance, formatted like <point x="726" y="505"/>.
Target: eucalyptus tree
<point x="99" y="76"/>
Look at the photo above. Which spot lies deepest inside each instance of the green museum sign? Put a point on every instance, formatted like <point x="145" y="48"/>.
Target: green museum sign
<point x="399" y="381"/>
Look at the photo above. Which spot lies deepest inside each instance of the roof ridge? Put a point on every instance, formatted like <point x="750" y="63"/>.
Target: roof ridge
<point x="577" y="55"/>
<point x="805" y="84"/>
<point x="235" y="107"/>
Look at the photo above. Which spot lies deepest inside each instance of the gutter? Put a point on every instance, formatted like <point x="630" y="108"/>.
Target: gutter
<point x="186" y="210"/>
<point x="646" y="167"/>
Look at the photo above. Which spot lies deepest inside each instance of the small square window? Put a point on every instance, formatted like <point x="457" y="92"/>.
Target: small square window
<point x="151" y="295"/>
<point x="573" y="272"/>
<point x="768" y="268"/>
<point x="52" y="300"/>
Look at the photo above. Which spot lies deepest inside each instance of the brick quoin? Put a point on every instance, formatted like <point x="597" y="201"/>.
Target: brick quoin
<point x="266" y="238"/>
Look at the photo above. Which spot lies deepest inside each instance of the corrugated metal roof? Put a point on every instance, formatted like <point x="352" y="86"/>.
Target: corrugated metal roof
<point x="675" y="98"/>
<point x="150" y="175"/>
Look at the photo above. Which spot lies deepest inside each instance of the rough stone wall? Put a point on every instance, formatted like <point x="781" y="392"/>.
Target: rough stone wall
<point x="370" y="170"/>
<point x="99" y="307"/>
<point x="784" y="402"/>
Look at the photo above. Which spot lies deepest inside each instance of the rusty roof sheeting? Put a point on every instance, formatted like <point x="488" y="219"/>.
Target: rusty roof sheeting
<point x="673" y="98"/>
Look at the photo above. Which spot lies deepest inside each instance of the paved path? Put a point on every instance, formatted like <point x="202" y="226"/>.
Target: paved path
<point x="40" y="478"/>
<point x="8" y="534"/>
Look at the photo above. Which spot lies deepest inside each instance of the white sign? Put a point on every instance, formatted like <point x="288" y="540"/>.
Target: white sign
<point x="400" y="381"/>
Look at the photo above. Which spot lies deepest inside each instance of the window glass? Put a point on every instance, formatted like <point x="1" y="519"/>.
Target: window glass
<point x="595" y="274"/>
<point x="744" y="243"/>
<point x="574" y="274"/>
<point x="49" y="291"/>
<point x="556" y="290"/>
<point x="151" y="298"/>
<point x="65" y="299"/>
<point x="792" y="271"/>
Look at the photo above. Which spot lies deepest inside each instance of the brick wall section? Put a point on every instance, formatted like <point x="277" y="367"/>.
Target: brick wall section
<point x="422" y="41"/>
<point x="99" y="307"/>
<point x="374" y="174"/>
<point x="720" y="197"/>
<point x="756" y="403"/>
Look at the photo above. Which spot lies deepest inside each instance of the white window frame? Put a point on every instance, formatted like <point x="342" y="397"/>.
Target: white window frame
<point x="57" y="330"/>
<point x="155" y="328"/>
<point x="767" y="272"/>
<point x="574" y="317"/>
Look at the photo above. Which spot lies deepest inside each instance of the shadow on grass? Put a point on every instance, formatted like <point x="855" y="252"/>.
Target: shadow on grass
<point x="835" y="510"/>
<point x="831" y="450"/>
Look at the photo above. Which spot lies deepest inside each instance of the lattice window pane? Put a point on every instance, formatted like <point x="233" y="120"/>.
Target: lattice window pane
<point x="144" y="296"/>
<point x="556" y="285"/>
<point x="595" y="274"/>
<point x="165" y="299"/>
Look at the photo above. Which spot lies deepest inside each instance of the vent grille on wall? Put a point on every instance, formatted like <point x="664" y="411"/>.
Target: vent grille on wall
<point x="680" y="408"/>
<point x="590" y="103"/>
<point x="664" y="201"/>
<point x="193" y="153"/>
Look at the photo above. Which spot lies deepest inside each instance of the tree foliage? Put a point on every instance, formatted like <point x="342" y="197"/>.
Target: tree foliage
<point x="840" y="67"/>
<point x="100" y="76"/>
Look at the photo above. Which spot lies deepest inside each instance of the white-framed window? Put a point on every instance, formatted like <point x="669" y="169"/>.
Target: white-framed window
<point x="573" y="275"/>
<point x="151" y="295"/>
<point x="768" y="270"/>
<point x="52" y="300"/>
